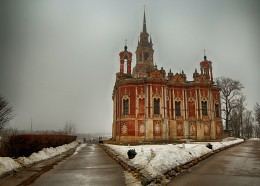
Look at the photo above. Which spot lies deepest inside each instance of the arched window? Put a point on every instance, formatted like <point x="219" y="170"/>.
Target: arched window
<point x="156" y="104"/>
<point x="126" y="106"/>
<point x="125" y="65"/>
<point x="177" y="108"/>
<point x="204" y="108"/>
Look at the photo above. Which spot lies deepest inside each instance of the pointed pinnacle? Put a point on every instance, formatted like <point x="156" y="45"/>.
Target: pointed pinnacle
<point x="144" y="24"/>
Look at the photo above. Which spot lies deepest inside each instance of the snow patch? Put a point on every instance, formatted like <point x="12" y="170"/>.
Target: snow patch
<point x="79" y="147"/>
<point x="254" y="139"/>
<point x="8" y="164"/>
<point x="225" y="143"/>
<point x="159" y="159"/>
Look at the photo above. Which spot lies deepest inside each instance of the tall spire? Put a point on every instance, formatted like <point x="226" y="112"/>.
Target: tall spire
<point x="144" y="54"/>
<point x="144" y="23"/>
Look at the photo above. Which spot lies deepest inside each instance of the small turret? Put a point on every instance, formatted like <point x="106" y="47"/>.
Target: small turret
<point x="125" y="57"/>
<point x="195" y="74"/>
<point x="206" y="67"/>
<point x="151" y="39"/>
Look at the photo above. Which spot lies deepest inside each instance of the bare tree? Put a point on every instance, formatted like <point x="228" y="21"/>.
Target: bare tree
<point x="240" y="107"/>
<point x="69" y="128"/>
<point x="230" y="94"/>
<point x="6" y="113"/>
<point x="257" y="119"/>
<point x="248" y="120"/>
<point x="236" y="118"/>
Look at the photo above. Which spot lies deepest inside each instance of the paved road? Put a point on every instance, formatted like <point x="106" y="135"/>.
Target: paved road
<point x="237" y="166"/>
<point x="91" y="166"/>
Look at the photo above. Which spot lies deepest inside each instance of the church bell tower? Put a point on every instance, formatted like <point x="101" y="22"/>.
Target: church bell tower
<point x="125" y="61"/>
<point x="144" y="54"/>
<point x="206" y="67"/>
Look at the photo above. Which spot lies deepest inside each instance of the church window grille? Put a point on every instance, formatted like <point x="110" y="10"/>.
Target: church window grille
<point x="204" y="108"/>
<point x="126" y="106"/>
<point x="177" y="108"/>
<point x="156" y="106"/>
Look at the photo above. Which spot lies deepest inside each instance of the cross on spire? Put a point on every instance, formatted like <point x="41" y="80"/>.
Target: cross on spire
<point x="205" y="57"/>
<point x="125" y="44"/>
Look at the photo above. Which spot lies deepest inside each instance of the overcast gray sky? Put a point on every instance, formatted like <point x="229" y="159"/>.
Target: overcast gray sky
<point x="59" y="58"/>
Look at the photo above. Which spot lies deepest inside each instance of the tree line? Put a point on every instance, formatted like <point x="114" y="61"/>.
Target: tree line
<point x="238" y="120"/>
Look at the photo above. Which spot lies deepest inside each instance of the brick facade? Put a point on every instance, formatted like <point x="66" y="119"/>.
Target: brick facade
<point x="150" y="105"/>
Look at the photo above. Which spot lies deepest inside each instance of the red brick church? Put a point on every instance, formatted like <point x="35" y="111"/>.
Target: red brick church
<point x="150" y="105"/>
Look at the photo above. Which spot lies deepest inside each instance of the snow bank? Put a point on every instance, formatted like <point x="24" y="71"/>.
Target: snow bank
<point x="9" y="164"/>
<point x="164" y="157"/>
<point x="254" y="139"/>
<point x="172" y="156"/>
<point x="226" y="142"/>
<point x="159" y="159"/>
<point x="45" y="154"/>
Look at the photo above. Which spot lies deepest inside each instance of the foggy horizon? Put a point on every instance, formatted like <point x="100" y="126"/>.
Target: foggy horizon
<point x="59" y="58"/>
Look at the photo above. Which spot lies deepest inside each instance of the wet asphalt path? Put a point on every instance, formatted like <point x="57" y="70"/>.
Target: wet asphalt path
<point x="90" y="166"/>
<point x="237" y="166"/>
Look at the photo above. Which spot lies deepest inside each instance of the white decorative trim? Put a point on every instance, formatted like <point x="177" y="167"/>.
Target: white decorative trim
<point x="204" y="99"/>
<point x="124" y="128"/>
<point x="125" y="97"/>
<point x="141" y="129"/>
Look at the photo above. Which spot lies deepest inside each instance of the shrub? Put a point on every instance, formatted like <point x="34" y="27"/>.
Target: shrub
<point x="209" y="146"/>
<point x="131" y="153"/>
<point x="17" y="145"/>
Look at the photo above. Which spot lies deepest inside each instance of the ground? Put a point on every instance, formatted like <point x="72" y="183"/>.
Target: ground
<point x="239" y="165"/>
<point x="89" y="164"/>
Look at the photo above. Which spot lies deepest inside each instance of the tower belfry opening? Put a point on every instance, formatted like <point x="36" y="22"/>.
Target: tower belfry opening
<point x="144" y="54"/>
